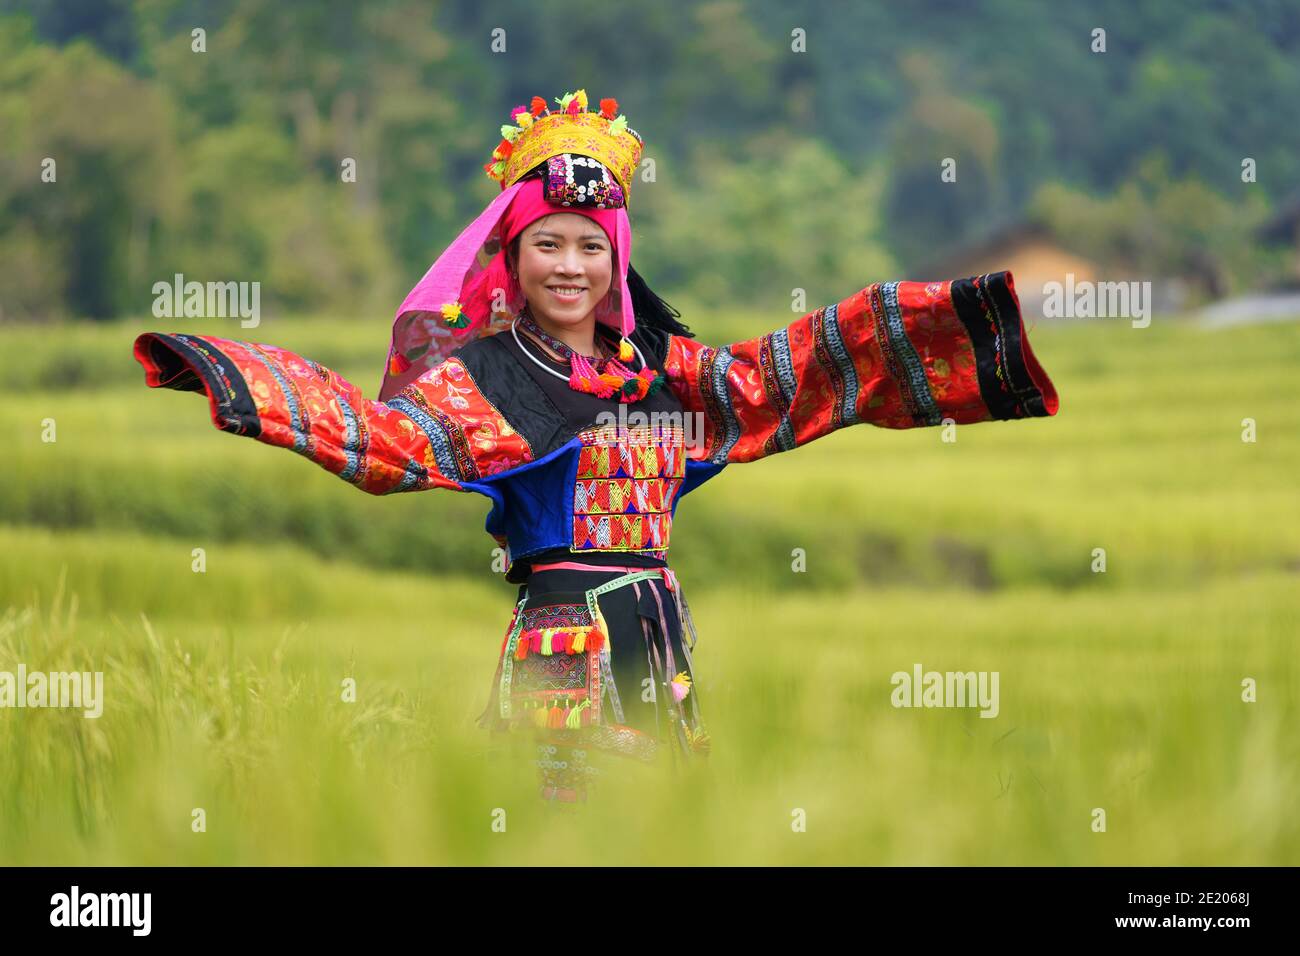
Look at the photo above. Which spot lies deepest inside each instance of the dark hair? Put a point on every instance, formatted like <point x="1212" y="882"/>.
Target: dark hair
<point x="652" y="310"/>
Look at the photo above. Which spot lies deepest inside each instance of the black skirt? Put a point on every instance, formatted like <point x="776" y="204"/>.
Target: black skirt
<point x="600" y="661"/>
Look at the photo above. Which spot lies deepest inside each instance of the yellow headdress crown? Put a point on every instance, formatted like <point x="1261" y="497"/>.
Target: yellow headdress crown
<point x="539" y="133"/>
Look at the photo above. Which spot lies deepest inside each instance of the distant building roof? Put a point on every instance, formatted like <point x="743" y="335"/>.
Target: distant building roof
<point x="993" y="242"/>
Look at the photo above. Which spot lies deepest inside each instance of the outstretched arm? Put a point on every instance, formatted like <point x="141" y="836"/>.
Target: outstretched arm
<point x="894" y="355"/>
<point x="438" y="432"/>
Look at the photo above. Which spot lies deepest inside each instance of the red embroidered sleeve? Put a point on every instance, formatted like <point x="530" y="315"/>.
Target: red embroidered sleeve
<point x="894" y="355"/>
<point x="438" y="432"/>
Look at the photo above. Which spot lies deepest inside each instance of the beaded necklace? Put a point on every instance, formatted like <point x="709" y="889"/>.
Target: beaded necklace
<point x="585" y="371"/>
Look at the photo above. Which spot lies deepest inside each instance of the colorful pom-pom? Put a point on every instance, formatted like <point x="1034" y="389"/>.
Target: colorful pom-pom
<point x="681" y="686"/>
<point x="454" y="315"/>
<point x="398" y="363"/>
<point x="574" y="720"/>
<point x="608" y="108"/>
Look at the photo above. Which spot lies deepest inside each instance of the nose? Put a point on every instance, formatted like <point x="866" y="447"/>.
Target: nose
<point x="570" y="264"/>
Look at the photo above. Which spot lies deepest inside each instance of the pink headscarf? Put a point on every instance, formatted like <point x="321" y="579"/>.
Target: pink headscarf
<point x="464" y="273"/>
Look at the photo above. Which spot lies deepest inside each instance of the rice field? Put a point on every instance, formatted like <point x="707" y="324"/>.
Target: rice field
<point x="1120" y="689"/>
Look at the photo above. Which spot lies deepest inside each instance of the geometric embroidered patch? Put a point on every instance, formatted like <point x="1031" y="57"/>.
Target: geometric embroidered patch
<point x="626" y="482"/>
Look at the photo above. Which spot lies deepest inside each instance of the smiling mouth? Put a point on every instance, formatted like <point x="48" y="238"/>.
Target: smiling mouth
<point x="567" y="291"/>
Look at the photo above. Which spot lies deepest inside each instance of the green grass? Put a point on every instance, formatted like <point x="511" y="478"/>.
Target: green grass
<point x="1119" y="690"/>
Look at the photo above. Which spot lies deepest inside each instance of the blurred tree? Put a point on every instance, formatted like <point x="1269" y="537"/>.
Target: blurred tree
<point x="110" y="138"/>
<point x="1162" y="227"/>
<point x="790" y="215"/>
<point x="107" y="24"/>
<point x="366" y="83"/>
<point x="923" y="209"/>
<point x="227" y="162"/>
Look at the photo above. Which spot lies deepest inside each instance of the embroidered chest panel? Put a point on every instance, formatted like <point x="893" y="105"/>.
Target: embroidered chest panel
<point x="627" y="480"/>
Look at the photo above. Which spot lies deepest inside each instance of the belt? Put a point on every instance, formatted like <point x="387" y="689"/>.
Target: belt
<point x="670" y="579"/>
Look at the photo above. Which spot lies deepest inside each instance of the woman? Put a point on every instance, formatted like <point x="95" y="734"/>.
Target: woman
<point x="506" y="378"/>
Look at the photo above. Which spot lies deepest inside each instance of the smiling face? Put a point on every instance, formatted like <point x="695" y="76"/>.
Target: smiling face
<point x="566" y="265"/>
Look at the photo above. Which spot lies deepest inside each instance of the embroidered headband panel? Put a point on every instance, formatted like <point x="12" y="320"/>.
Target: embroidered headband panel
<point x="537" y="133"/>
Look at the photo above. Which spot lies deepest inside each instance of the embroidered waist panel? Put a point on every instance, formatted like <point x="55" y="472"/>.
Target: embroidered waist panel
<point x="626" y="482"/>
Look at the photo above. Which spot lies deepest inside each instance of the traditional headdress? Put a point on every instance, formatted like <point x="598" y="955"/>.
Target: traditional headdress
<point x="567" y="160"/>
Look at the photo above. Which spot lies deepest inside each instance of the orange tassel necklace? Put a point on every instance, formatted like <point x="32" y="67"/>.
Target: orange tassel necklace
<point x="585" y="371"/>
